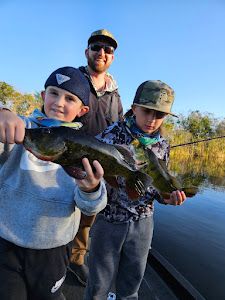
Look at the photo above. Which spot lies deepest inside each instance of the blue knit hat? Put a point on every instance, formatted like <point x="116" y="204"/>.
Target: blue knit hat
<point x="71" y="80"/>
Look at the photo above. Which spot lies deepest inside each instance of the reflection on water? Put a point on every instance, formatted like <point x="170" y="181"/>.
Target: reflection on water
<point x="192" y="236"/>
<point x="197" y="169"/>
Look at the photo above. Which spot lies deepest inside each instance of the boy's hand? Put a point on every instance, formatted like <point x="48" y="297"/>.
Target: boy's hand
<point x="91" y="182"/>
<point x="176" y="198"/>
<point x="12" y="128"/>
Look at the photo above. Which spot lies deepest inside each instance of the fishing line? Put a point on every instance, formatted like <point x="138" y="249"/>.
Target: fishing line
<point x="195" y="142"/>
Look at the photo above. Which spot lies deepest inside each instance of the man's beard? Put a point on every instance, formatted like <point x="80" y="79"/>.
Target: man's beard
<point x="96" y="67"/>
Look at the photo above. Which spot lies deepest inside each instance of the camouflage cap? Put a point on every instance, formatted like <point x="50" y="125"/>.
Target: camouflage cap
<point x="155" y="94"/>
<point x="104" y="35"/>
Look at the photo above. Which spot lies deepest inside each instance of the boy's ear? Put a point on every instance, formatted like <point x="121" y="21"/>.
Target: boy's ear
<point x="84" y="110"/>
<point x="43" y="95"/>
<point x="113" y="57"/>
<point x="133" y="108"/>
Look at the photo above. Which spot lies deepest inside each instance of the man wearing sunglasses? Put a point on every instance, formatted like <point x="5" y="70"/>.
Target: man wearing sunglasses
<point x="104" y="108"/>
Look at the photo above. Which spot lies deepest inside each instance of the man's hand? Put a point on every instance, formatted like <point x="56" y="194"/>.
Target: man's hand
<point x="176" y="198"/>
<point x="12" y="128"/>
<point x="91" y="182"/>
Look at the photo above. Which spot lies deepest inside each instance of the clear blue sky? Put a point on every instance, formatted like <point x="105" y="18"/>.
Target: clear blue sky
<point x="181" y="42"/>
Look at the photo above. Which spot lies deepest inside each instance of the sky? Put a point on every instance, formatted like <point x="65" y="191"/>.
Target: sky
<point x="177" y="41"/>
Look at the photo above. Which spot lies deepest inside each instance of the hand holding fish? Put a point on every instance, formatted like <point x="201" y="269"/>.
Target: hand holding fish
<point x="12" y="128"/>
<point x="91" y="182"/>
<point x="176" y="198"/>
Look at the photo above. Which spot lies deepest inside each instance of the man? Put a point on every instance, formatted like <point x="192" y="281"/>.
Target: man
<point x="105" y="108"/>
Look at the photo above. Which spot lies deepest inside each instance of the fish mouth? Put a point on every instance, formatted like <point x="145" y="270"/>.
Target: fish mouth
<point x="47" y="154"/>
<point x="44" y="157"/>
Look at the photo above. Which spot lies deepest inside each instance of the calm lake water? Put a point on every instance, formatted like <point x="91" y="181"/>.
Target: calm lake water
<point x="192" y="238"/>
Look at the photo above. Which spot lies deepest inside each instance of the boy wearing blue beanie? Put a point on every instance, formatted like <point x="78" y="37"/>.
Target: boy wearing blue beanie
<point x="38" y="200"/>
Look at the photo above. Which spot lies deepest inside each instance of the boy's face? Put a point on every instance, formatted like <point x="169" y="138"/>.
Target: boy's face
<point x="62" y="105"/>
<point x="148" y="120"/>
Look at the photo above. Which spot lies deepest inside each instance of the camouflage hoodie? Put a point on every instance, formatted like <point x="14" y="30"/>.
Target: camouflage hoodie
<point x="120" y="208"/>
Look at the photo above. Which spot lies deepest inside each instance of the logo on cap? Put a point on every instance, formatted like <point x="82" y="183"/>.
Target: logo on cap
<point x="61" y="78"/>
<point x="163" y="97"/>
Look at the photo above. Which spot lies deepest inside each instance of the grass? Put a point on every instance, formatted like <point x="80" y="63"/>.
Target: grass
<point x="202" y="160"/>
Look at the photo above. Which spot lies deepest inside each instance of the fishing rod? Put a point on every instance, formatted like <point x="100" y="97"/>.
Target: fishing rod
<point x="195" y="142"/>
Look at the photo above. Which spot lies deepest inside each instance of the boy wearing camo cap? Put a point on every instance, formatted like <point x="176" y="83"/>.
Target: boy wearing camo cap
<point x="122" y="234"/>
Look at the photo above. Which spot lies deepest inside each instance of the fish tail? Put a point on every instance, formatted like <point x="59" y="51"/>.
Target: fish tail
<point x="190" y="191"/>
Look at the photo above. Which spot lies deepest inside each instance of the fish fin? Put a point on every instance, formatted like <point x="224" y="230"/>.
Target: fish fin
<point x="132" y="194"/>
<point x="75" y="172"/>
<point x="137" y="185"/>
<point x="165" y="195"/>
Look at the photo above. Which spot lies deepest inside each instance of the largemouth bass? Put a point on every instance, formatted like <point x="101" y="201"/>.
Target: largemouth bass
<point x="157" y="169"/>
<point x="67" y="147"/>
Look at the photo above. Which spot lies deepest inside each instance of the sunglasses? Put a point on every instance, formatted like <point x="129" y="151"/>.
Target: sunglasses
<point x="98" y="47"/>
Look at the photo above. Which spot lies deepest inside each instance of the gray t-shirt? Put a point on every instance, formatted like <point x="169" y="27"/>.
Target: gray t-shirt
<point x="38" y="200"/>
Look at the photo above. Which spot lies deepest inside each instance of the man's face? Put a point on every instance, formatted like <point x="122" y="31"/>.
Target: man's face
<point x="99" y="60"/>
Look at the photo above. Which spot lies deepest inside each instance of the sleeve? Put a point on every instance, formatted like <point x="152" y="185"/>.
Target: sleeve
<point x="110" y="134"/>
<point x="167" y="154"/>
<point x="159" y="198"/>
<point x="5" y="149"/>
<point x="27" y="122"/>
<point x="91" y="203"/>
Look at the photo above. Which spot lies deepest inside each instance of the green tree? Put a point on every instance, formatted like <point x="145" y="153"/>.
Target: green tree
<point x="198" y="124"/>
<point x="6" y="93"/>
<point x="20" y="103"/>
<point x="220" y="128"/>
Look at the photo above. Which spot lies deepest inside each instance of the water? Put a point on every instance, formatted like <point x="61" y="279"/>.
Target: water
<point x="192" y="238"/>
